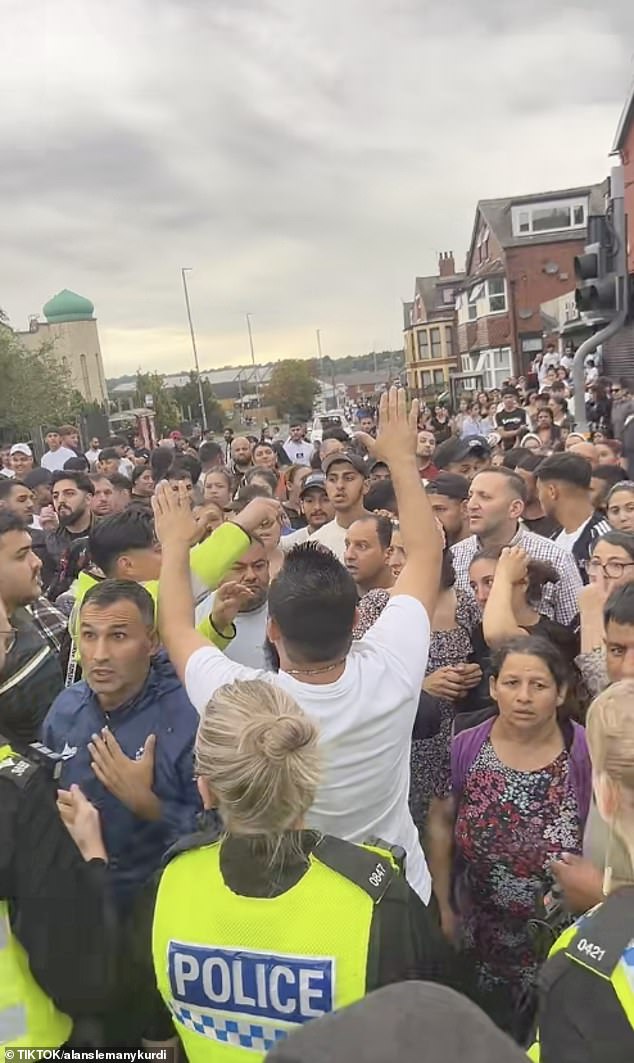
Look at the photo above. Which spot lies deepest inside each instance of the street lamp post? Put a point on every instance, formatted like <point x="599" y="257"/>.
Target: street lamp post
<point x="203" y="413"/>
<point x="251" y="348"/>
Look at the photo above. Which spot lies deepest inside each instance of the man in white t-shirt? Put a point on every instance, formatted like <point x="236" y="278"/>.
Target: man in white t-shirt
<point x="316" y="507"/>
<point x="57" y="455"/>
<point x="296" y="446"/>
<point x="564" y="488"/>
<point x="346" y="486"/>
<point x="364" y="695"/>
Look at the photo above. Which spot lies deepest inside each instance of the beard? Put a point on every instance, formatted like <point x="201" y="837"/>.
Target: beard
<point x="66" y="516"/>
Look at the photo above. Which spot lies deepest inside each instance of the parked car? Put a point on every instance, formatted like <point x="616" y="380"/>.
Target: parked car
<point x="330" y="419"/>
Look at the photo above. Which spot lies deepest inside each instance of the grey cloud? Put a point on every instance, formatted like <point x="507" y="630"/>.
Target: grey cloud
<point x="306" y="160"/>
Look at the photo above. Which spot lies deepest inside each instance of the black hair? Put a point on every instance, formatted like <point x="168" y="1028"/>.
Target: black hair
<point x="37" y="477"/>
<point x="267" y="475"/>
<point x="209" y="451"/>
<point x="264" y="443"/>
<point x="512" y="458"/>
<point x="617" y="538"/>
<point x="619" y="608"/>
<point x="381" y="495"/>
<point x="9" y="522"/>
<point x="160" y="460"/>
<point x="246" y="494"/>
<point x="383" y="527"/>
<point x="117" y="441"/>
<point x="568" y="468"/>
<point x="137" y="472"/>
<point x="108" y="454"/>
<point x="110" y="591"/>
<point x="515" y="482"/>
<point x="179" y="472"/>
<point x="190" y="464"/>
<point x="336" y="432"/>
<point x="509" y="391"/>
<point x="447" y="570"/>
<point x="120" y="482"/>
<point x="113" y="536"/>
<point x="81" y="480"/>
<point x="529" y="460"/>
<point x="547" y="410"/>
<point x="51" y="431"/>
<point x="313" y="602"/>
<point x="6" y="486"/>
<point x="77" y="464"/>
<point x="533" y="646"/>
<point x="611" y="474"/>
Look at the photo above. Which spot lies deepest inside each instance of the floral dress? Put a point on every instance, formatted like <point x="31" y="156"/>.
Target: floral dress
<point x="430" y="766"/>
<point x="510" y="826"/>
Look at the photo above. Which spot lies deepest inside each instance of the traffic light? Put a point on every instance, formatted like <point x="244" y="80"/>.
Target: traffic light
<point x="597" y="288"/>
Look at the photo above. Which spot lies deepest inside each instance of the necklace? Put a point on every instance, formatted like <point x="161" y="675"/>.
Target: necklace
<point x="315" y="671"/>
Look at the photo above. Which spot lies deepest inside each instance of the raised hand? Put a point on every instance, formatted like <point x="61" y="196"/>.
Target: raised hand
<point x="228" y="600"/>
<point x="173" y="517"/>
<point x="397" y="431"/>
<point x="257" y="512"/>
<point x="81" y="820"/>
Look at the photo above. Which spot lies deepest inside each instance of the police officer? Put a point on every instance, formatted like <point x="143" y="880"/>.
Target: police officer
<point x="53" y="933"/>
<point x="586" y="1012"/>
<point x="254" y="932"/>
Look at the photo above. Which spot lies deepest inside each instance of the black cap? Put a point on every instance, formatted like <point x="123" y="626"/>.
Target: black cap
<point x="458" y="449"/>
<point x="393" y="1023"/>
<point x="316" y="479"/>
<point x="349" y="459"/>
<point x="450" y="485"/>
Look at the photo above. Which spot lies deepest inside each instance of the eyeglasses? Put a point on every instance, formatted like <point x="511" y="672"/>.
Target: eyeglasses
<point x="611" y="569"/>
<point x="8" y="637"/>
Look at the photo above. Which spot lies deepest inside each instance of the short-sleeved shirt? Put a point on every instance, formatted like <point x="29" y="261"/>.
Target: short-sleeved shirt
<point x="365" y="723"/>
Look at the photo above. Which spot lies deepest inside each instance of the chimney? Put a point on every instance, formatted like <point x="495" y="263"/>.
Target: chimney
<point x="446" y="264"/>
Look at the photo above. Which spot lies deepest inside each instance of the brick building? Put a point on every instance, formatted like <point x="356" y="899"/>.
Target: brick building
<point x="521" y="255"/>
<point x="429" y="329"/>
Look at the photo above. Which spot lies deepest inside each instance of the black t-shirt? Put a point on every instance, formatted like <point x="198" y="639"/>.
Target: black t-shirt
<point x="511" y="421"/>
<point x="545" y="526"/>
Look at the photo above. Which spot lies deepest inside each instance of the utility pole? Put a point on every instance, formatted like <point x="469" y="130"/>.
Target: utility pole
<point x="203" y="413"/>
<point x="318" y="335"/>
<point x="255" y="372"/>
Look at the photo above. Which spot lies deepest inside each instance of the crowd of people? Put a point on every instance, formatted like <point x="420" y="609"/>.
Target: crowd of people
<point x="286" y="723"/>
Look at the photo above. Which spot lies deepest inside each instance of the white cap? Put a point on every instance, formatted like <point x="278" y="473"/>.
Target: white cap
<point x="21" y="448"/>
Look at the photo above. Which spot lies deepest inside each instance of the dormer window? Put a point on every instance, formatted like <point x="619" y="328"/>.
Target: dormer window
<point x="550" y="217"/>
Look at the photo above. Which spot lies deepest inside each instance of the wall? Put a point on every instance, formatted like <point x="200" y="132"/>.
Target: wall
<point x="76" y="342"/>
<point x="531" y="285"/>
<point x="627" y="156"/>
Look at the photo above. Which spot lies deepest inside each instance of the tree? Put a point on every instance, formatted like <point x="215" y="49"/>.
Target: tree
<point x="188" y="398"/>
<point x="36" y="387"/>
<point x="291" y="388"/>
<point x="166" y="411"/>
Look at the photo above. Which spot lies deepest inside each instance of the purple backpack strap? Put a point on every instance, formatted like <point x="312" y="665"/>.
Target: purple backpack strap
<point x="580" y="770"/>
<point x="464" y="750"/>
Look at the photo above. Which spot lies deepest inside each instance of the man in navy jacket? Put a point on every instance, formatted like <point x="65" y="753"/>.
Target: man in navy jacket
<point x="131" y="728"/>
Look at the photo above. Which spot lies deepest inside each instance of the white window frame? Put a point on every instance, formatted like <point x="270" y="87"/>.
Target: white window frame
<point x="496" y="295"/>
<point x="522" y="216"/>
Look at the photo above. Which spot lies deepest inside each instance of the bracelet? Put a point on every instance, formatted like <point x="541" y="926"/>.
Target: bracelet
<point x="221" y="634"/>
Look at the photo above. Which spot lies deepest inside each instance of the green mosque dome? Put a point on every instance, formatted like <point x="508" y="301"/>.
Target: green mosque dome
<point x="68" y="306"/>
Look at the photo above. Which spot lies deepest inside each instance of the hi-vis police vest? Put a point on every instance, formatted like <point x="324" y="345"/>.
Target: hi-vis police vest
<point x="241" y="973"/>
<point x="27" y="1016"/>
<point x="602" y="942"/>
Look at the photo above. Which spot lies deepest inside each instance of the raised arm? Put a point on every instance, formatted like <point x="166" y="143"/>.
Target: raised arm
<point x="396" y="446"/>
<point x="498" y="620"/>
<point x="175" y="528"/>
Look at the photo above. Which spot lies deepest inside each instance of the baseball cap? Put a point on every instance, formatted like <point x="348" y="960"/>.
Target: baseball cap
<point x="345" y="456"/>
<point x="450" y="485"/>
<point x="21" y="448"/>
<point x="458" y="449"/>
<point x="316" y="479"/>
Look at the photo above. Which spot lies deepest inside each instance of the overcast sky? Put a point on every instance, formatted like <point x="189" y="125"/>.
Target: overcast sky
<point x="306" y="159"/>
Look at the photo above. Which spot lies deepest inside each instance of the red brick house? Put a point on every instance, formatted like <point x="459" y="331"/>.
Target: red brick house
<point x="521" y="255"/>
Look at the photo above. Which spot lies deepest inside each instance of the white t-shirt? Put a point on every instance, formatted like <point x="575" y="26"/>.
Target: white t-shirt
<point x="333" y="536"/>
<point x="296" y="538"/>
<point x="299" y="452"/>
<point x="365" y="721"/>
<point x="247" y="647"/>
<point x="56" y="459"/>
<point x="91" y="457"/>
<point x="566" y="540"/>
